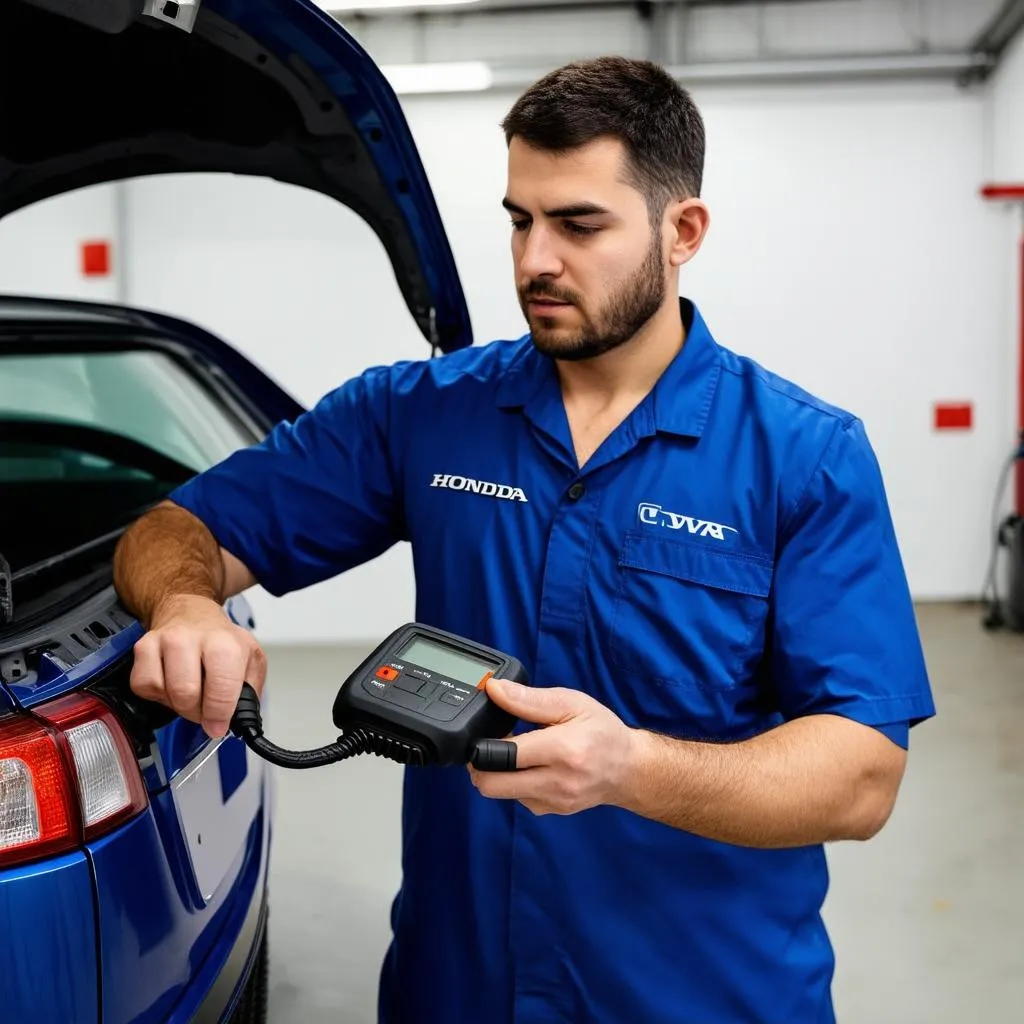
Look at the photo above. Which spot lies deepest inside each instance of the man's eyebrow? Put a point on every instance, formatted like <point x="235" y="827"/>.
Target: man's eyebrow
<point x="582" y="209"/>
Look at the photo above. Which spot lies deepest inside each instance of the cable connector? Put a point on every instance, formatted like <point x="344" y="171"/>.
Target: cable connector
<point x="247" y="721"/>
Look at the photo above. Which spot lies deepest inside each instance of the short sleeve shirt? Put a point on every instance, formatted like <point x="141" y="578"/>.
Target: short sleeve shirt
<point x="725" y="562"/>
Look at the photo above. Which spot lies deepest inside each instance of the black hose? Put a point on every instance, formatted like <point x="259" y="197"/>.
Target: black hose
<point x="247" y="724"/>
<point x="329" y="754"/>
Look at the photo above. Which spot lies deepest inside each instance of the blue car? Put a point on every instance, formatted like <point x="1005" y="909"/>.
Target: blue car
<point x="133" y="849"/>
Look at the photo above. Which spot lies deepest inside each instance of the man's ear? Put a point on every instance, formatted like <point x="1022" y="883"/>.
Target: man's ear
<point x="688" y="223"/>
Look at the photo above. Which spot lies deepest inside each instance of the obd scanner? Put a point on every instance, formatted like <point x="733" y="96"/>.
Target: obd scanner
<point x="419" y="698"/>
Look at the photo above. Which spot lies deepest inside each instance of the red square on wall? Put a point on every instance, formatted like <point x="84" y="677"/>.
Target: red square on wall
<point x="953" y="415"/>
<point x="95" y="259"/>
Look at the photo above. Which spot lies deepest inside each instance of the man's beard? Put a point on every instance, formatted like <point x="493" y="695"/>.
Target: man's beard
<point x="621" y="317"/>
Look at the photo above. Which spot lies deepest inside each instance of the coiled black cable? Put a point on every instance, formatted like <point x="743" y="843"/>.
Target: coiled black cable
<point x="247" y="724"/>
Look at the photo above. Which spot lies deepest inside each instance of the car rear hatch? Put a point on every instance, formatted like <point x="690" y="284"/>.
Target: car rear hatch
<point x="102" y="91"/>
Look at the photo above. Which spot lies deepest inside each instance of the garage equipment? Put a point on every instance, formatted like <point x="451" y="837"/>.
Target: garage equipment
<point x="419" y="698"/>
<point x="1009" y="533"/>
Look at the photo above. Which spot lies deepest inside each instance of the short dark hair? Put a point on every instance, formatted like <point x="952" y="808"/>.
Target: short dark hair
<point x="635" y="101"/>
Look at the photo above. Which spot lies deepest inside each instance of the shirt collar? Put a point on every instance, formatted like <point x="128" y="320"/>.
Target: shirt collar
<point x="683" y="395"/>
<point x="681" y="399"/>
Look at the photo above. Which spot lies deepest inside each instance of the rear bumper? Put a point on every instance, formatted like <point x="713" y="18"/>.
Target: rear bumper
<point x="234" y="975"/>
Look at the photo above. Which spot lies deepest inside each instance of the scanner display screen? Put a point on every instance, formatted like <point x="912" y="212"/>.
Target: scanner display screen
<point x="446" y="662"/>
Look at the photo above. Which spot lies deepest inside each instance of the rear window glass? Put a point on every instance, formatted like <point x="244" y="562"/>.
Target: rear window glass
<point x="144" y="395"/>
<point x="88" y="441"/>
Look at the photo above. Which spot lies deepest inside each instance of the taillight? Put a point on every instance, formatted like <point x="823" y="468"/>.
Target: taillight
<point x="67" y="776"/>
<point x="38" y="812"/>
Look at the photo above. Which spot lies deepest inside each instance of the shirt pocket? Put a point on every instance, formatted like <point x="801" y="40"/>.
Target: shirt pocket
<point x="688" y="614"/>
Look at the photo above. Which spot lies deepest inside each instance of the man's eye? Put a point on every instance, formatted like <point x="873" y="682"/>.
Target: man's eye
<point x="581" y="229"/>
<point x="520" y="225"/>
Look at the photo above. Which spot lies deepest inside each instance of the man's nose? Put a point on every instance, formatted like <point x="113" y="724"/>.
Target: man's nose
<point x="539" y="256"/>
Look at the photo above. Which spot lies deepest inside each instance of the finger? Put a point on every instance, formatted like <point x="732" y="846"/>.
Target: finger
<point x="554" y="744"/>
<point x="147" y="678"/>
<point x="223" y="667"/>
<point x="538" y="807"/>
<point x="540" y="790"/>
<point x="525" y="785"/>
<point x="182" y="667"/>
<point x="256" y="669"/>
<point x="545" y="705"/>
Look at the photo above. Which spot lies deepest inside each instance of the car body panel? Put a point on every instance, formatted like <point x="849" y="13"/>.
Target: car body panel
<point x="48" y="942"/>
<point x="272" y="88"/>
<point x="163" y="951"/>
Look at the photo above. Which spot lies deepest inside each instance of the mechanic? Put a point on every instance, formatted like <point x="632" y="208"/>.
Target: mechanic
<point x="693" y="557"/>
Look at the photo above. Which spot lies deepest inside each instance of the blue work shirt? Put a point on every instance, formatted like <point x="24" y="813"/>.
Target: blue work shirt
<point x="723" y="563"/>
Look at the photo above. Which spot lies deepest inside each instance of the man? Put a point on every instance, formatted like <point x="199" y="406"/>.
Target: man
<point x="696" y="564"/>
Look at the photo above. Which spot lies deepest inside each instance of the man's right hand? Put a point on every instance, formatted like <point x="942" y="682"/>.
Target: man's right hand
<point x="194" y="660"/>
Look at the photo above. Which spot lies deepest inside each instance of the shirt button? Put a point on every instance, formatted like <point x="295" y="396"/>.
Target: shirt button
<point x="576" y="492"/>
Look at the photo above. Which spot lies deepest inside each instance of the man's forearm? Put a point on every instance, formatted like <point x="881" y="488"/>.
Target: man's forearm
<point x="165" y="553"/>
<point x="813" y="780"/>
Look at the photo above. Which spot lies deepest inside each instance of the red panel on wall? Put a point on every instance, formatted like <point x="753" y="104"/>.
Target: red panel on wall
<point x="95" y="259"/>
<point x="953" y="415"/>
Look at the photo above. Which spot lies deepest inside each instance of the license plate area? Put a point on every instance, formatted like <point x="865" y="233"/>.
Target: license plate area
<point x="217" y="797"/>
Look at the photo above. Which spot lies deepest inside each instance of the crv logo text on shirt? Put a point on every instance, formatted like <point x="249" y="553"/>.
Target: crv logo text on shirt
<point x="655" y="515"/>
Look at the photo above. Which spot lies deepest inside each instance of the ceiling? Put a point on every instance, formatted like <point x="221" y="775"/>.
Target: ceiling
<point x="960" y="39"/>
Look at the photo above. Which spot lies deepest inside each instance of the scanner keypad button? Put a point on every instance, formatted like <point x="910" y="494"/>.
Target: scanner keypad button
<point x="375" y="686"/>
<point x="405" y="699"/>
<point x="440" y="711"/>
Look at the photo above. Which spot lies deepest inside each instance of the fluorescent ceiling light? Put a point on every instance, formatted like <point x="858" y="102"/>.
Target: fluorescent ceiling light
<point x="467" y="76"/>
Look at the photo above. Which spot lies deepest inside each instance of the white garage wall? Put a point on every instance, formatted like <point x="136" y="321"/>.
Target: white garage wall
<point x="40" y="247"/>
<point x="848" y="250"/>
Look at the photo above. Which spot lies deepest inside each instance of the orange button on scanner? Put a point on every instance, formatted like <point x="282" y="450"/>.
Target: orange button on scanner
<point x="387" y="672"/>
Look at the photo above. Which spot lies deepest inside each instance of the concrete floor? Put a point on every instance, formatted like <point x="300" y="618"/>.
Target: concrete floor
<point x="927" y="919"/>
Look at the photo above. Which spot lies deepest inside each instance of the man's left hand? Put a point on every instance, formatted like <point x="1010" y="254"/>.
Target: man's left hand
<point x="582" y="758"/>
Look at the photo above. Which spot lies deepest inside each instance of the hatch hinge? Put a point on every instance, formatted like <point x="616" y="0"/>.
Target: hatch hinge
<point x="179" y="13"/>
